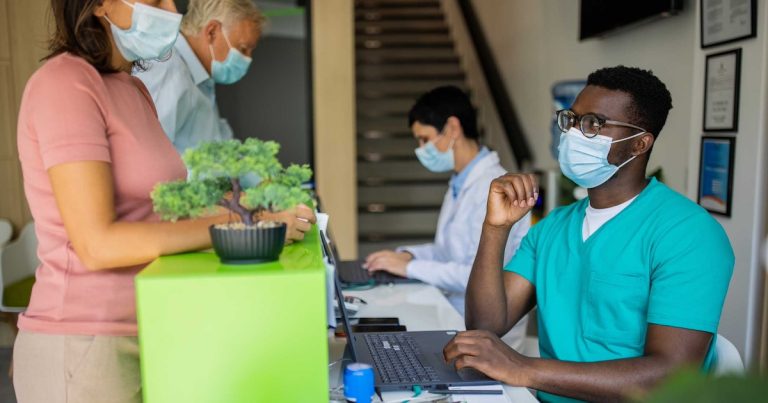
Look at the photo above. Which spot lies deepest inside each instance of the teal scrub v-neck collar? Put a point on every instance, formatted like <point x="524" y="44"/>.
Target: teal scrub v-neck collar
<point x="576" y="226"/>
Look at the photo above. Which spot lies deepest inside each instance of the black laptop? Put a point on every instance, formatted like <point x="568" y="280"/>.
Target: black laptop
<point x="352" y="272"/>
<point x="402" y="360"/>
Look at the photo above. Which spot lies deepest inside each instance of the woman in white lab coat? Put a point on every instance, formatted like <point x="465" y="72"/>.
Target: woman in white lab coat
<point x="444" y="122"/>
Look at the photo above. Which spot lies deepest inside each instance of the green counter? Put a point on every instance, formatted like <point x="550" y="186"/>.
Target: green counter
<point x="229" y="334"/>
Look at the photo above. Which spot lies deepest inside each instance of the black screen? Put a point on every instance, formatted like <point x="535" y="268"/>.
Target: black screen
<point x="598" y="17"/>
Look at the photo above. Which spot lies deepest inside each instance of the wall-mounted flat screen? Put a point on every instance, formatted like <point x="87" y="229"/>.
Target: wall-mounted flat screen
<point x="601" y="17"/>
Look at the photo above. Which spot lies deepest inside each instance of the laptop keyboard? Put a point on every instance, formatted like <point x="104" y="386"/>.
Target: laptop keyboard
<point x="395" y="356"/>
<point x="355" y="276"/>
<point x="360" y="276"/>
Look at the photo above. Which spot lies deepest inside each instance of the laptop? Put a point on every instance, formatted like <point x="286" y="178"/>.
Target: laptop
<point x="402" y="360"/>
<point x="352" y="272"/>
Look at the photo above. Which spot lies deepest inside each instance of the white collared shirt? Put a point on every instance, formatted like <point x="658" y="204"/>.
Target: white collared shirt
<point x="185" y="98"/>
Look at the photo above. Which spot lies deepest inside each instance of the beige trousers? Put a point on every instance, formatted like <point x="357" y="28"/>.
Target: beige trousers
<point x="51" y="368"/>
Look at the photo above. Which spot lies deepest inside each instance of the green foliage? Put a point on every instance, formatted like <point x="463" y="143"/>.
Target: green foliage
<point x="694" y="386"/>
<point x="218" y="168"/>
<point x="180" y="199"/>
<point x="233" y="159"/>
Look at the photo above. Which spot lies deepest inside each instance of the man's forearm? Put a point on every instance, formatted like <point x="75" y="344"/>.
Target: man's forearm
<point x="486" y="305"/>
<point x="598" y="381"/>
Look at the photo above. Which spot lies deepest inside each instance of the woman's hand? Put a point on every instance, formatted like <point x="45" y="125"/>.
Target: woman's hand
<point x="298" y="219"/>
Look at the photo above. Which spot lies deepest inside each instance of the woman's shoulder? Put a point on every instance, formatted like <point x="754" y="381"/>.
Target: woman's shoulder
<point x="64" y="70"/>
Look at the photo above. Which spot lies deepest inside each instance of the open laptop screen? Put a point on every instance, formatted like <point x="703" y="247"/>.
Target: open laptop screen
<point x="339" y="296"/>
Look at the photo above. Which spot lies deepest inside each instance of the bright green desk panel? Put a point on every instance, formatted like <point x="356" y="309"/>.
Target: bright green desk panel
<point x="218" y="333"/>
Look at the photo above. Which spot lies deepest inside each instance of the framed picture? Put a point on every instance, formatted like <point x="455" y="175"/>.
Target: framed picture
<point x="716" y="174"/>
<point x="722" y="82"/>
<point x="727" y="21"/>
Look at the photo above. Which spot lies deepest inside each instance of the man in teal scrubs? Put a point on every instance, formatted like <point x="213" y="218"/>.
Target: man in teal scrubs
<point x="629" y="283"/>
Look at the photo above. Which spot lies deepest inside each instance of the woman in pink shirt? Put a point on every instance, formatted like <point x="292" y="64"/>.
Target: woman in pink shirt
<point x="91" y="150"/>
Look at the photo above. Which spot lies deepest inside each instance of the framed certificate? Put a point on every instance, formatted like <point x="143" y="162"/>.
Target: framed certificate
<point x="722" y="81"/>
<point x="716" y="174"/>
<point x="726" y="21"/>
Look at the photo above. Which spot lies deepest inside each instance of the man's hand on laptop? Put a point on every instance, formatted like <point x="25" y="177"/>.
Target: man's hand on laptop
<point x="387" y="260"/>
<point x="485" y="352"/>
<point x="510" y="198"/>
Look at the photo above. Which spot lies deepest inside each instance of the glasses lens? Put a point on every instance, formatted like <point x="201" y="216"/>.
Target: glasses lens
<point x="590" y="125"/>
<point x="564" y="120"/>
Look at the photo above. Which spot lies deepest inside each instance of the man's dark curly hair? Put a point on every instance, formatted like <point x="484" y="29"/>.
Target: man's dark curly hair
<point x="651" y="100"/>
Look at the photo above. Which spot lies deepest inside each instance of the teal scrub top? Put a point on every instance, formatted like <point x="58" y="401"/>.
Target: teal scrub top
<point x="662" y="260"/>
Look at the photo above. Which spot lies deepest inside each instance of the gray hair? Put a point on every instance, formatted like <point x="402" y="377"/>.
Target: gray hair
<point x="200" y="12"/>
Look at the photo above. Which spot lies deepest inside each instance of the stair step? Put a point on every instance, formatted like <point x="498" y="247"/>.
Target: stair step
<point x="389" y="147"/>
<point x="385" y="106"/>
<point x="450" y="71"/>
<point x="399" y="14"/>
<point x="400" y="87"/>
<point x="401" y="27"/>
<point x="402" y="195"/>
<point x="380" y="134"/>
<point x="406" y="55"/>
<point x="408" y="40"/>
<point x="363" y="4"/>
<point x="386" y="124"/>
<point x="398" y="171"/>
<point x="399" y="222"/>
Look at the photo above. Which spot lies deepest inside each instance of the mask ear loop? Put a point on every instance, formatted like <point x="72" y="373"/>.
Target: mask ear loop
<point x="210" y="45"/>
<point x="634" y="156"/>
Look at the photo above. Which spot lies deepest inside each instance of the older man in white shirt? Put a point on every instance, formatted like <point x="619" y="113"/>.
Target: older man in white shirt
<point x="215" y="46"/>
<point x="444" y="122"/>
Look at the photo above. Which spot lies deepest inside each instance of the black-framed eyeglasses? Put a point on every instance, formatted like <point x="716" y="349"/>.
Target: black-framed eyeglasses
<point x="589" y="124"/>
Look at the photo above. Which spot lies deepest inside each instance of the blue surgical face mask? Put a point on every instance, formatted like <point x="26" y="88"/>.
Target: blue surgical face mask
<point x="434" y="159"/>
<point x="232" y="69"/>
<point x="585" y="160"/>
<point x="152" y="33"/>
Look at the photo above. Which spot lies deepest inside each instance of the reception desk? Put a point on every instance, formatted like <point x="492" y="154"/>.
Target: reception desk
<point x="219" y="333"/>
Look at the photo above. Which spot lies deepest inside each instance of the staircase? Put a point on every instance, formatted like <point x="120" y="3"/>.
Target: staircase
<point x="403" y="49"/>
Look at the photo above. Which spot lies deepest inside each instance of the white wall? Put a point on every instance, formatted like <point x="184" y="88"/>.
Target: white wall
<point x="746" y="228"/>
<point x="536" y="44"/>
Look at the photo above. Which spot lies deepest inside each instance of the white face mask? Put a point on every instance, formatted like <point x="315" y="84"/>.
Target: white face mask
<point x="233" y="68"/>
<point x="435" y="160"/>
<point x="585" y="160"/>
<point x="152" y="33"/>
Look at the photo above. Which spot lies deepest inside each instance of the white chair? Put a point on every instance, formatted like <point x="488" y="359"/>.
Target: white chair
<point x="18" y="262"/>
<point x="728" y="358"/>
<point x="6" y="231"/>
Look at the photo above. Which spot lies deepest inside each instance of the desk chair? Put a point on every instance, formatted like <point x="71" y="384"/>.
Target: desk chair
<point x="728" y="358"/>
<point x="6" y="231"/>
<point x="18" y="262"/>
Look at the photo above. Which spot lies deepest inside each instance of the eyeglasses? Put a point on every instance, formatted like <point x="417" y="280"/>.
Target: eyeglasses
<point x="589" y="124"/>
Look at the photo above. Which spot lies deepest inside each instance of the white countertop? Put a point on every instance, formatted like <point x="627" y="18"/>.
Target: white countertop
<point x="419" y="307"/>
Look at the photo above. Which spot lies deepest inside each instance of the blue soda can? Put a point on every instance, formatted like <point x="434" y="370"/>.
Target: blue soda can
<point x="358" y="383"/>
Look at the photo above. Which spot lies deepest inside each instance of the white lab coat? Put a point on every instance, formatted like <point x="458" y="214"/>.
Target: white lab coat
<point x="447" y="262"/>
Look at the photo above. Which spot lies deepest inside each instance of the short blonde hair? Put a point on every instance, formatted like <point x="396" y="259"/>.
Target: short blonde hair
<point x="200" y="12"/>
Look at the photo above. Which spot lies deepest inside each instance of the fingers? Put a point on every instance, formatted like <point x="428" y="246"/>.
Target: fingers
<point x="375" y="255"/>
<point x="460" y="347"/>
<point x="301" y="225"/>
<point x="379" y="263"/>
<point x="305" y="213"/>
<point x="294" y="235"/>
<point x="522" y="190"/>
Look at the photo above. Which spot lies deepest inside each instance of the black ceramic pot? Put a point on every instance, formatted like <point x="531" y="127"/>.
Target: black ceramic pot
<point x="248" y="245"/>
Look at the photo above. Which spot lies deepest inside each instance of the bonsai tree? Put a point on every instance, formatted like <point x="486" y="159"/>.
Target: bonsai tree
<point x="244" y="177"/>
